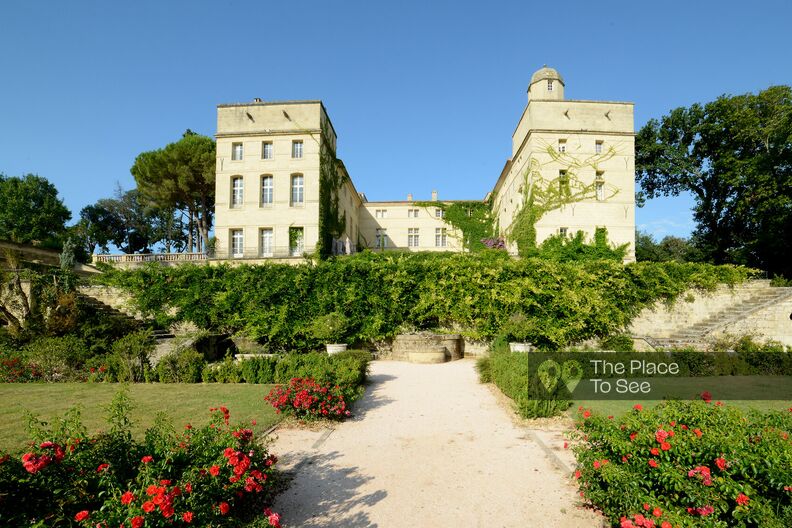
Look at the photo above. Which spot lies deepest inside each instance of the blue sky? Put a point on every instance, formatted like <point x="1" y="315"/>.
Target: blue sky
<point x="423" y="94"/>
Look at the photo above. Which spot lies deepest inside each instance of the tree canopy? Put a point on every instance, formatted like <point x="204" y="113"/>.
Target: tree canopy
<point x="181" y="176"/>
<point x="30" y="210"/>
<point x="734" y="155"/>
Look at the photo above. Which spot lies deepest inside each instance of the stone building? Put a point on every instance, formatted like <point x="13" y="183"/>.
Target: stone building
<point x="278" y="176"/>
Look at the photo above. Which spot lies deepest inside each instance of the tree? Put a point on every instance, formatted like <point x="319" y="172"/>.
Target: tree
<point x="30" y="210"/>
<point x="130" y="220"/>
<point x="734" y="155"/>
<point x="181" y="176"/>
<point x="98" y="227"/>
<point x="669" y="248"/>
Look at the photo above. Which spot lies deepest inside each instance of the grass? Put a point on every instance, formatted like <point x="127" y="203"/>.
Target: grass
<point x="184" y="403"/>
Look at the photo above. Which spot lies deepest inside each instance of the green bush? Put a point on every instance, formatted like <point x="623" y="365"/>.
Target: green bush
<point x="129" y="360"/>
<point x="329" y="328"/>
<point x="484" y="369"/>
<point x="687" y="464"/>
<point x="565" y="302"/>
<point x="618" y="343"/>
<point x="258" y="369"/>
<point x="58" y="358"/>
<point x="181" y="366"/>
<point x="511" y="372"/>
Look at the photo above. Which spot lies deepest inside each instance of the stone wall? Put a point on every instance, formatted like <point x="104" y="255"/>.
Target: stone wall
<point x="773" y="322"/>
<point x="664" y="319"/>
<point x="405" y="344"/>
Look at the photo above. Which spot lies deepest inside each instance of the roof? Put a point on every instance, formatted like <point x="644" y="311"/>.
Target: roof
<point x="546" y="73"/>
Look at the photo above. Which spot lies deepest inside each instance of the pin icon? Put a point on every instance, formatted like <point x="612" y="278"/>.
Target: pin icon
<point x="571" y="373"/>
<point x="549" y="371"/>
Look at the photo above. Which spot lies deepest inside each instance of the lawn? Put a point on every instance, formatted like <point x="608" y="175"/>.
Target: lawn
<point x="182" y="402"/>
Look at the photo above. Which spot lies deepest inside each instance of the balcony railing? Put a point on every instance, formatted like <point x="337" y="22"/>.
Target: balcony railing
<point x="149" y="257"/>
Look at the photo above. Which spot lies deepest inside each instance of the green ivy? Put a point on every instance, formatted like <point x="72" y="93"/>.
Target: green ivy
<point x="379" y="294"/>
<point x="331" y="178"/>
<point x="471" y="218"/>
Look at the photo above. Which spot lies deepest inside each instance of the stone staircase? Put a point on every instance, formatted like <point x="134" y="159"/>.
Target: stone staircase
<point x="696" y="334"/>
<point x="159" y="334"/>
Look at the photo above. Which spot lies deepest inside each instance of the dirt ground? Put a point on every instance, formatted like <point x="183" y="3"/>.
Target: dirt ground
<point x="429" y="447"/>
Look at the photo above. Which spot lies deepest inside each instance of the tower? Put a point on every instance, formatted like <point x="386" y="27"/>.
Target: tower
<point x="546" y="85"/>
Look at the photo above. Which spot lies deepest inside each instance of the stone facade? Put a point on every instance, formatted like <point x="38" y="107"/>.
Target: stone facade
<point x="268" y="179"/>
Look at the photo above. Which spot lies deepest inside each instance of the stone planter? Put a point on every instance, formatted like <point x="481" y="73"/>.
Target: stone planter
<point x="521" y="347"/>
<point x="335" y="348"/>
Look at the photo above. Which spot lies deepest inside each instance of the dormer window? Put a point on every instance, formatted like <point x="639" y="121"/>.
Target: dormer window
<point x="549" y="85"/>
<point x="562" y="145"/>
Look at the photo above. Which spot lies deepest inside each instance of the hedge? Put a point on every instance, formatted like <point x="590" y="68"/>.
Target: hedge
<point x="381" y="294"/>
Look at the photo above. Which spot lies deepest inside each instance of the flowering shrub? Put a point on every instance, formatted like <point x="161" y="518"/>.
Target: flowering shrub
<point x="692" y="463"/>
<point x="307" y="399"/>
<point x="217" y="475"/>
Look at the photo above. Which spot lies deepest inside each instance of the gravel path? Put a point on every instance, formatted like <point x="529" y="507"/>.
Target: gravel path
<point x="429" y="447"/>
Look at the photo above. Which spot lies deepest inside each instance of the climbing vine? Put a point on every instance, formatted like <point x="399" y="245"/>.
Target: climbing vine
<point x="473" y="219"/>
<point x="332" y="222"/>
<point x="541" y="195"/>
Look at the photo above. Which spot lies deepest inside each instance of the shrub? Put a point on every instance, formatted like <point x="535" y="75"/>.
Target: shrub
<point x="484" y="369"/>
<point x="688" y="464"/>
<point x="217" y="475"/>
<point x="184" y="365"/>
<point x="14" y="367"/>
<point x="58" y="358"/>
<point x="307" y="399"/>
<point x="618" y="343"/>
<point x="258" y="369"/>
<point x="511" y="372"/>
<point x="518" y="328"/>
<point x="329" y="328"/>
<point x="567" y="302"/>
<point x="129" y="360"/>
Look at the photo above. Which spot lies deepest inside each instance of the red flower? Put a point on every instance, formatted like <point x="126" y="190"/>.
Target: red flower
<point x="742" y="499"/>
<point x="273" y="518"/>
<point x="638" y="407"/>
<point x="698" y="432"/>
<point x="646" y="506"/>
<point x="665" y="446"/>
<point x="596" y="464"/>
<point x="127" y="497"/>
<point x="187" y="517"/>
<point x="137" y="522"/>
<point x="577" y="474"/>
<point x="653" y="462"/>
<point x="149" y="507"/>
<point x="657" y="512"/>
<point x="721" y="463"/>
<point x="633" y="436"/>
<point x="666" y="524"/>
<point x="102" y="467"/>
<point x="654" y="451"/>
<point x="214" y="470"/>
<point x="146" y="459"/>
<point x="586" y="414"/>
<point x="566" y="445"/>
<point x="706" y="396"/>
<point x="188" y="487"/>
<point x="224" y="508"/>
<point x="81" y="516"/>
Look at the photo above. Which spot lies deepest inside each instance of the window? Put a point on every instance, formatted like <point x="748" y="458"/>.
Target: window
<point x="598" y="146"/>
<point x="267" y="190"/>
<point x="562" y="145"/>
<point x="562" y="231"/>
<point x="297" y="149"/>
<point x="563" y="182"/>
<point x="412" y="237"/>
<point x="382" y="239"/>
<point x="599" y="185"/>
<point x="297" y="189"/>
<point x="237" y="244"/>
<point x="237" y="191"/>
<point x="265" y="242"/>
<point x="296" y="241"/>
<point x="549" y="85"/>
<point x="380" y="213"/>
<point x="440" y="237"/>
<point x="266" y="150"/>
<point x="236" y="151"/>
<point x="439" y="213"/>
<point x="412" y="213"/>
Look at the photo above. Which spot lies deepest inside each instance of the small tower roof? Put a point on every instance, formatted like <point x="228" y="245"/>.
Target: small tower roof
<point x="546" y="73"/>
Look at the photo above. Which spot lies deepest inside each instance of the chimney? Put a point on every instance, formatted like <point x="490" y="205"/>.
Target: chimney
<point x="257" y="99"/>
<point x="409" y="197"/>
<point x="434" y="196"/>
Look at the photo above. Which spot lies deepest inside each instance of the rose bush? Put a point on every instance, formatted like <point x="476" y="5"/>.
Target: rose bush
<point x="691" y="463"/>
<point x="307" y="399"/>
<point x="217" y="475"/>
